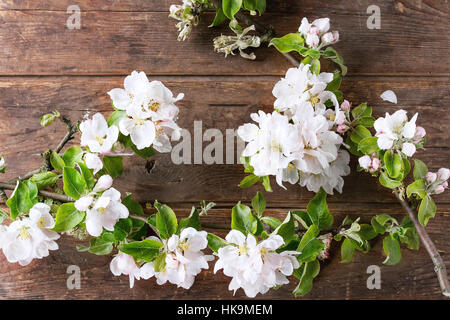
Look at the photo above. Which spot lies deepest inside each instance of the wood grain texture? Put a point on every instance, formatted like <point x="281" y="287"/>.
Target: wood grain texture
<point x="38" y="42"/>
<point x="44" y="66"/>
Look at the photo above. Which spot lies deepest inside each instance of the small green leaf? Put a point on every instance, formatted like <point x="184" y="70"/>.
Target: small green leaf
<point x="22" y="199"/>
<point x="271" y="221"/>
<point x="309" y="235"/>
<point x="248" y="181"/>
<point x="303" y="218"/>
<point x="388" y="182"/>
<point x="122" y="228"/>
<point x="289" y="42"/>
<point x="115" y="118"/>
<point x="132" y="206"/>
<point x="420" y="169"/>
<point x="287" y="229"/>
<point x="318" y="211"/>
<point x="359" y="134"/>
<point x="259" y="203"/>
<point x="100" y="247"/>
<point x="306" y="274"/>
<point x="418" y="188"/>
<point x="391" y="248"/>
<point x="427" y="210"/>
<point x="243" y="220"/>
<point x="166" y="220"/>
<point x="145" y="153"/>
<point x="67" y="217"/>
<point x="393" y="164"/>
<point x="332" y="54"/>
<point x="87" y="175"/>
<point x="215" y="242"/>
<point x="160" y="262"/>
<point x="193" y="221"/>
<point x="347" y="251"/>
<point x="112" y="166"/>
<point x="368" y="145"/>
<point x="145" y="250"/>
<point x="44" y="179"/>
<point x="56" y="161"/>
<point x="231" y="7"/>
<point x="72" y="156"/>
<point x="219" y="18"/>
<point x="362" y="111"/>
<point x="74" y="184"/>
<point x="266" y="183"/>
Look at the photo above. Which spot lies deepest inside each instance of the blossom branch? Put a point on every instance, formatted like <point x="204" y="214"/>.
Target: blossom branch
<point x="266" y="33"/>
<point x="439" y="265"/>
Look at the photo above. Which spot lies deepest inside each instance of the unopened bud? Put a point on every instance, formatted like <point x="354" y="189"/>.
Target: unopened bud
<point x="443" y="174"/>
<point x="420" y="133"/>
<point x="345" y="105"/>
<point x="431" y="177"/>
<point x="342" y="128"/>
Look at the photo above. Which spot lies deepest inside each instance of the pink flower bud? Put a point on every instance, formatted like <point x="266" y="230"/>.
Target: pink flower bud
<point x="445" y="184"/>
<point x="375" y="164"/>
<point x="443" y="174"/>
<point x="431" y="177"/>
<point x="365" y="162"/>
<point x="335" y="36"/>
<point x="439" y="190"/>
<point x="345" y="105"/>
<point x="314" y="30"/>
<point x="328" y="38"/>
<point x="420" y="133"/>
<point x="342" y="128"/>
<point x="340" y="118"/>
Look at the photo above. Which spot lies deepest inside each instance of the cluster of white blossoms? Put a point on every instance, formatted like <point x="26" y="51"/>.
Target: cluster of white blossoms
<point x="299" y="142"/>
<point x="185" y="14"/>
<point x="183" y="261"/>
<point x="437" y="182"/>
<point x="317" y="34"/>
<point x="395" y="132"/>
<point x="103" y="207"/>
<point x="151" y="112"/>
<point x="255" y="267"/>
<point x="30" y="237"/>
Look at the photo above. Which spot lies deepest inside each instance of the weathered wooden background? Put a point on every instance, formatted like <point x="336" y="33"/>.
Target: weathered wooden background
<point x="45" y="66"/>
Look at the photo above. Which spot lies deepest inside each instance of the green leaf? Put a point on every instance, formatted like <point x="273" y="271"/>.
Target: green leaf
<point x="145" y="250"/>
<point x="318" y="211"/>
<point x="248" y="181"/>
<point x="310" y="251"/>
<point x="160" y="262"/>
<point x="359" y="134"/>
<point x="87" y="175"/>
<point x="306" y="274"/>
<point x="250" y="5"/>
<point x="335" y="84"/>
<point x="303" y="218"/>
<point x="100" y="246"/>
<point x="362" y="111"/>
<point x="420" y="169"/>
<point x="289" y="42"/>
<point x="310" y="234"/>
<point x="115" y="118"/>
<point x="315" y="66"/>
<point x="367" y="232"/>
<point x="74" y="184"/>
<point x="287" y="229"/>
<point x="393" y="164"/>
<point x="44" y="179"/>
<point x="145" y="153"/>
<point x="379" y="228"/>
<point x="122" y="228"/>
<point x="112" y="166"/>
<point x="67" y="217"/>
<point x="166" y="220"/>
<point x="231" y="7"/>
<point x="47" y="119"/>
<point x="56" y="161"/>
<point x="366" y="121"/>
<point x="243" y="220"/>
<point x="271" y="221"/>
<point x="215" y="242"/>
<point x="391" y="248"/>
<point x="353" y="147"/>
<point x="427" y="210"/>
<point x="72" y="156"/>
<point x="418" y="188"/>
<point x="388" y="182"/>
<point x="259" y="203"/>
<point x="132" y="206"/>
<point x="411" y="238"/>
<point x="22" y="200"/>
<point x="219" y="18"/>
<point x="347" y="251"/>
<point x="332" y="54"/>
<point x="368" y="145"/>
<point x="261" y="6"/>
<point x="193" y="221"/>
<point x="266" y="183"/>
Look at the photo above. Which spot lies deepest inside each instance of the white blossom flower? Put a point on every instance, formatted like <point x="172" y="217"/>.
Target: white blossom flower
<point x="125" y="264"/>
<point x="96" y="134"/>
<point x="331" y="178"/>
<point x="135" y="85"/>
<point x="316" y="31"/>
<point x="272" y="145"/>
<point x="104" y="182"/>
<point x="29" y="238"/>
<point x="105" y="213"/>
<point x="255" y="267"/>
<point x="395" y="132"/>
<point x="93" y="162"/>
<point x="301" y="87"/>
<point x="443" y="174"/>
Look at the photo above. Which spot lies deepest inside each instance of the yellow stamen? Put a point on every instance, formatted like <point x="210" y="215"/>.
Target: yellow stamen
<point x="41" y="222"/>
<point x="101" y="210"/>
<point x="23" y="233"/>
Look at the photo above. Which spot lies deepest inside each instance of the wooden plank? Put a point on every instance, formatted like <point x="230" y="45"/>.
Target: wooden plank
<point x="46" y="279"/>
<point x="224" y="106"/>
<point x="38" y="42"/>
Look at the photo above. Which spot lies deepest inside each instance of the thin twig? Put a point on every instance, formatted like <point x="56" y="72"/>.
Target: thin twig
<point x="267" y="33"/>
<point x="439" y="265"/>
